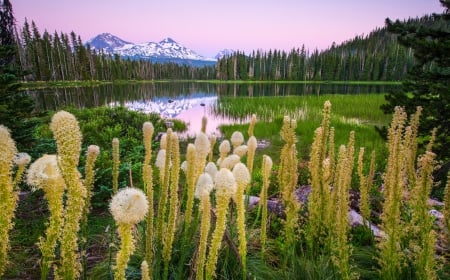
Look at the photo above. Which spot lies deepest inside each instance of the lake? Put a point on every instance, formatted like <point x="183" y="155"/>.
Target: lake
<point x="187" y="101"/>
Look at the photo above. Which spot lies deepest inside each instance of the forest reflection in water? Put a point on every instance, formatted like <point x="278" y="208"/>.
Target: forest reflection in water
<point x="187" y="101"/>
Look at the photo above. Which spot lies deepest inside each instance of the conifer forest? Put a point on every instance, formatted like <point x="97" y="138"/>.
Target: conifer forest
<point x="329" y="186"/>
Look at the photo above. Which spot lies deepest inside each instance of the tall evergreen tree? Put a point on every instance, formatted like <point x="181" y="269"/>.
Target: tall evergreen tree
<point x="428" y="82"/>
<point x="15" y="108"/>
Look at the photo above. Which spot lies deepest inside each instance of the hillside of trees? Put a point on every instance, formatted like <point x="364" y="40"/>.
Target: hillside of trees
<point x="373" y="57"/>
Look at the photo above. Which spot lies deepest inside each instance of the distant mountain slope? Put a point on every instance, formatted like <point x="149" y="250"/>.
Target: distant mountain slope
<point x="107" y="42"/>
<point x="224" y="52"/>
<point x="167" y="50"/>
<point x="376" y="56"/>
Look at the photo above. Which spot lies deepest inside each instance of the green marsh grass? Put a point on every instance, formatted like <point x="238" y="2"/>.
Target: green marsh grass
<point x="360" y="113"/>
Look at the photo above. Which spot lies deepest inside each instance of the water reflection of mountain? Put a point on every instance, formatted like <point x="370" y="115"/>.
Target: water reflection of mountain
<point x="169" y="107"/>
<point x="87" y="97"/>
<point x="183" y="100"/>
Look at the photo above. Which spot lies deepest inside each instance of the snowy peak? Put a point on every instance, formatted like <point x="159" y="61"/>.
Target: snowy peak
<point x="168" y="40"/>
<point x="107" y="42"/>
<point x="166" y="50"/>
<point x="224" y="52"/>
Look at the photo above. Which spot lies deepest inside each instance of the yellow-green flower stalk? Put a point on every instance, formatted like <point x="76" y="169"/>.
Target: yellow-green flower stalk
<point x="321" y="166"/>
<point x="252" y="145"/>
<point x="116" y="163"/>
<point x="251" y="127"/>
<point x="410" y="148"/>
<point x="45" y="174"/>
<point x="173" y="202"/>
<point x="287" y="179"/>
<point x="224" y="150"/>
<point x="202" y="149"/>
<point x="164" y="164"/>
<point x="202" y="190"/>
<point x="190" y="178"/>
<point x="21" y="160"/>
<point x="91" y="156"/>
<point x="145" y="272"/>
<point x="128" y="207"/>
<point x="242" y="177"/>
<point x="340" y="248"/>
<point x="204" y="123"/>
<point x="363" y="191"/>
<point x="237" y="138"/>
<point x="8" y="196"/>
<point x="446" y="209"/>
<point x="212" y="142"/>
<point x="147" y="176"/>
<point x="391" y="256"/>
<point x="67" y="134"/>
<point x="163" y="142"/>
<point x="365" y="184"/>
<point x="225" y="186"/>
<point x="266" y="169"/>
<point x="424" y="237"/>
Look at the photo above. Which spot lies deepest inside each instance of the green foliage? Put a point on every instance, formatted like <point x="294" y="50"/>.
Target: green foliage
<point x="30" y="223"/>
<point x="118" y="123"/>
<point x="15" y="107"/>
<point x="349" y="114"/>
<point x="428" y="82"/>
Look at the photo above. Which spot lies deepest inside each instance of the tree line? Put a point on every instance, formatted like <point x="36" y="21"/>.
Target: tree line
<point x="373" y="57"/>
<point x="64" y="57"/>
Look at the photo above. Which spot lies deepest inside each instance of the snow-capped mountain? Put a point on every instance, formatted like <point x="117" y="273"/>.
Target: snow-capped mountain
<point x="166" y="50"/>
<point x="224" y="52"/>
<point x="107" y="42"/>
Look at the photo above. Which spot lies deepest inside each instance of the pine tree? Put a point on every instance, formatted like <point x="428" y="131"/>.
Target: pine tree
<point x="15" y="107"/>
<point x="428" y="82"/>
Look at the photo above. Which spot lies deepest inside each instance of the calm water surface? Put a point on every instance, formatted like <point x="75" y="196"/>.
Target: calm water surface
<point x="187" y="101"/>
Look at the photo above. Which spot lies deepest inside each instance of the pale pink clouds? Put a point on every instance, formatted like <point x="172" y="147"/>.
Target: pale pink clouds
<point x="207" y="26"/>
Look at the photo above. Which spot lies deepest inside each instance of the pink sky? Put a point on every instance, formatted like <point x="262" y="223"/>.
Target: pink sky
<point x="208" y="26"/>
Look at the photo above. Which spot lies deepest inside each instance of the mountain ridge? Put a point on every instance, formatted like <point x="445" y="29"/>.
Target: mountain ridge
<point x="166" y="50"/>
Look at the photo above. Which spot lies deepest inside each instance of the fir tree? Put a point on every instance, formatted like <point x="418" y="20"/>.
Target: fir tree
<point x="428" y="82"/>
<point x="15" y="108"/>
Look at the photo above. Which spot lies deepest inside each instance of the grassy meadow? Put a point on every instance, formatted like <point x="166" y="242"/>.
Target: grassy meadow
<point x="360" y="113"/>
<point x="134" y="206"/>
